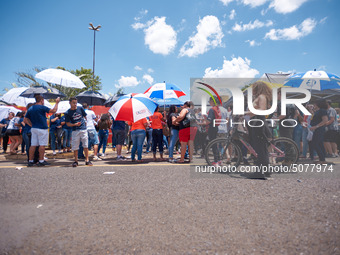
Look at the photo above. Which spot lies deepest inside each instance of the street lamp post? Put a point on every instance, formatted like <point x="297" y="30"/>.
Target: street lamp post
<point x="94" y="43"/>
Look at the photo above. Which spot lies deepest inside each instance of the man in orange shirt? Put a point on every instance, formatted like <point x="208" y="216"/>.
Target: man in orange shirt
<point x="157" y="133"/>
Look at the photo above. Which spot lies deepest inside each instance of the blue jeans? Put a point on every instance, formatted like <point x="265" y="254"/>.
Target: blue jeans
<point x="53" y="140"/>
<point x="165" y="141"/>
<point x="304" y="142"/>
<point x="137" y="137"/>
<point x="67" y="138"/>
<point x="27" y="138"/>
<point x="297" y="135"/>
<point x="173" y="140"/>
<point x="149" y="139"/>
<point x="114" y="142"/>
<point x="103" y="136"/>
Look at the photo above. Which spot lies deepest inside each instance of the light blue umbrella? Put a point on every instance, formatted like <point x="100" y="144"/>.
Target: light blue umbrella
<point x="168" y="101"/>
<point x="314" y="80"/>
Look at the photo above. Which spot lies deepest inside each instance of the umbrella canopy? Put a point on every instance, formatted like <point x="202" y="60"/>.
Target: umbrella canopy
<point x="163" y="91"/>
<point x="91" y="98"/>
<point x="63" y="106"/>
<point x="314" y="80"/>
<point x="45" y="91"/>
<point x="168" y="101"/>
<point x="133" y="107"/>
<point x="60" y="77"/>
<point x="13" y="97"/>
<point x="5" y="110"/>
<point x="111" y="100"/>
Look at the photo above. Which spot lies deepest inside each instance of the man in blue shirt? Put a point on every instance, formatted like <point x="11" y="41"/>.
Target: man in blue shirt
<point x="36" y="118"/>
<point x="75" y="117"/>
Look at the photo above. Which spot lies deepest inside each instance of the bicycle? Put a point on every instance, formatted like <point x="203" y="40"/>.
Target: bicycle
<point x="234" y="149"/>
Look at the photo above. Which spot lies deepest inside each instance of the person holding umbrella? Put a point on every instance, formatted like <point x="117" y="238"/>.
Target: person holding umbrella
<point x="75" y="117"/>
<point x="36" y="118"/>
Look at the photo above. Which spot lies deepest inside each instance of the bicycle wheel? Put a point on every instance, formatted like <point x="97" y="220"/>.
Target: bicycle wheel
<point x="223" y="152"/>
<point x="283" y="151"/>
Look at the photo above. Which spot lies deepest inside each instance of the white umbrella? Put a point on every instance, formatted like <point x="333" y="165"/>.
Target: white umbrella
<point x="60" y="77"/>
<point x="12" y="97"/>
<point x="63" y="106"/>
<point x="5" y="110"/>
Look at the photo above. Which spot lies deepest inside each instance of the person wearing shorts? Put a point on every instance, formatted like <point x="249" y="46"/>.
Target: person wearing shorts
<point x="331" y="132"/>
<point x="75" y="117"/>
<point x="186" y="133"/>
<point x="36" y="118"/>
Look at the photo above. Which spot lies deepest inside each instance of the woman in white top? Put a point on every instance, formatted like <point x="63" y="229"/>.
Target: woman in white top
<point x="13" y="131"/>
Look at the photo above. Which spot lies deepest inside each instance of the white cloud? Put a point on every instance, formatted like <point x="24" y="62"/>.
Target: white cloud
<point x="148" y="78"/>
<point x="226" y="2"/>
<point x="323" y="21"/>
<point x="253" y="43"/>
<point x="160" y="37"/>
<point x="150" y="70"/>
<point x="286" y="6"/>
<point x="280" y="6"/>
<point x="254" y="3"/>
<point x="232" y="14"/>
<point x="141" y="14"/>
<point x="138" y="68"/>
<point x="235" y="68"/>
<point x="209" y="35"/>
<point x="129" y="81"/>
<point x="251" y="25"/>
<point x="138" y="25"/>
<point x="294" y="32"/>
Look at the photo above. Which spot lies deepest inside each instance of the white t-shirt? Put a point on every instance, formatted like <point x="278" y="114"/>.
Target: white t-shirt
<point x="222" y="128"/>
<point x="90" y="117"/>
<point x="15" y="120"/>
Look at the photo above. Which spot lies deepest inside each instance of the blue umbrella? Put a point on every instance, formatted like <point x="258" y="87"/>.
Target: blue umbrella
<point x="314" y="80"/>
<point x="168" y="101"/>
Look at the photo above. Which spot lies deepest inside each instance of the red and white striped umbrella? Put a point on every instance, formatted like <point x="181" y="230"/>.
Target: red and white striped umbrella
<point x="133" y="107"/>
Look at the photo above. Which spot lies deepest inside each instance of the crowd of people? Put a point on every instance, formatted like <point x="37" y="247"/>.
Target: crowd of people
<point x="184" y="130"/>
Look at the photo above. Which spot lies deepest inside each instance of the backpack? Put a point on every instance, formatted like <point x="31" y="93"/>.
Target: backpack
<point x="218" y="115"/>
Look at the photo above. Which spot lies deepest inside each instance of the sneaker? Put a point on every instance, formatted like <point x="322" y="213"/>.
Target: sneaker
<point x="215" y="164"/>
<point x="120" y="158"/>
<point x="100" y="154"/>
<point x="88" y="163"/>
<point x="172" y="160"/>
<point x="75" y="164"/>
<point x="96" y="158"/>
<point x="103" y="155"/>
<point x="60" y="152"/>
<point x="30" y="164"/>
<point x="54" y="153"/>
<point x="43" y="163"/>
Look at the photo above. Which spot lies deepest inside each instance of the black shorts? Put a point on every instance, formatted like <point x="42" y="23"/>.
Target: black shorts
<point x="13" y="132"/>
<point x="331" y="136"/>
<point x="119" y="135"/>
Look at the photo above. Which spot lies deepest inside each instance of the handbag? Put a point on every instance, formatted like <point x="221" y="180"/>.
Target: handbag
<point x="309" y="135"/>
<point x="190" y="118"/>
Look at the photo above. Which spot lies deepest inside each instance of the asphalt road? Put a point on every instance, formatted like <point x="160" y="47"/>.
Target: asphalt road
<point x="162" y="208"/>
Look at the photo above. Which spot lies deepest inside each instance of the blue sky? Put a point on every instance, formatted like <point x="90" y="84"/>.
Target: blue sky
<point x="145" y="42"/>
